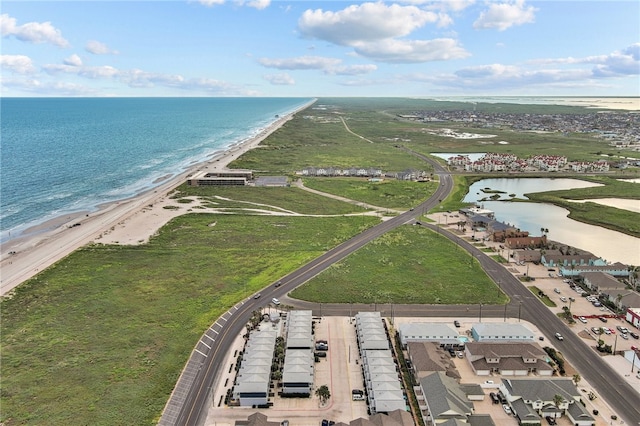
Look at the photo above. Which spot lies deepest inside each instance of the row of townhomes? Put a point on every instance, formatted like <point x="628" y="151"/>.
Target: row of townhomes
<point x="367" y="172"/>
<point x="524" y="381"/>
<point x="494" y="162"/>
<point x="610" y="281"/>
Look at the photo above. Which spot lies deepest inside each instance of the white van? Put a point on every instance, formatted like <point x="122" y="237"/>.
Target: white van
<point x="275" y="301"/>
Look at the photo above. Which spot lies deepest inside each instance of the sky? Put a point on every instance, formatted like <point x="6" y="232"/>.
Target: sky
<point x="410" y="48"/>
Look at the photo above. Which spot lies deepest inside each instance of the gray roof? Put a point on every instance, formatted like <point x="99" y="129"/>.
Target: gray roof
<point x="445" y="397"/>
<point x="602" y="280"/>
<point x="298" y="366"/>
<point x="541" y="389"/>
<point x="255" y="370"/>
<point x="502" y="330"/>
<point x="431" y="331"/>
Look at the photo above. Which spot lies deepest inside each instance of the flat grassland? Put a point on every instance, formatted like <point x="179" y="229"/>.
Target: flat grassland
<point x="403" y="266"/>
<point x="101" y="337"/>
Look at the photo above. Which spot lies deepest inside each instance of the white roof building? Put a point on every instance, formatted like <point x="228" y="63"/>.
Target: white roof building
<point x="501" y="331"/>
<point x="428" y="332"/>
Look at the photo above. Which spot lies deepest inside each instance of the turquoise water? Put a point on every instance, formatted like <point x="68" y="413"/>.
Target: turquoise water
<point x="63" y="155"/>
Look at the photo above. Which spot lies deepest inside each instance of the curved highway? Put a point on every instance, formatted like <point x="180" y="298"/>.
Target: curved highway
<point x="191" y="396"/>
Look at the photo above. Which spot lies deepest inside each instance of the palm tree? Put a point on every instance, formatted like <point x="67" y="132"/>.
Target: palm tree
<point x="576" y="379"/>
<point x="323" y="393"/>
<point x="557" y="400"/>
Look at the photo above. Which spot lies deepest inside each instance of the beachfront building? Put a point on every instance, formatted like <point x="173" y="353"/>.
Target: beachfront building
<point x="222" y="178"/>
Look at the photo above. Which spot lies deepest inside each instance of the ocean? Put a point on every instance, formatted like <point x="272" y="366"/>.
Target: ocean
<point x="66" y="155"/>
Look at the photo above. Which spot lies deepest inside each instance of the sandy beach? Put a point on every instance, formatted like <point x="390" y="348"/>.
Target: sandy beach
<point x="129" y="221"/>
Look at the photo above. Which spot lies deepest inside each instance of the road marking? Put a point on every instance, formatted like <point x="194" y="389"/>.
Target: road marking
<point x="204" y="355"/>
<point x="223" y="318"/>
<point x="215" y="331"/>
<point x="209" y="337"/>
<point x="205" y="344"/>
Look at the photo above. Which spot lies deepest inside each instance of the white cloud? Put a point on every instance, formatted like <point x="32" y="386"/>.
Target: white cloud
<point x="505" y="15"/>
<point x="300" y="63"/>
<point x="412" y="51"/>
<point x="55" y="88"/>
<point x="618" y="63"/>
<point x="73" y="60"/>
<point x="18" y="64"/>
<point x="32" y="32"/>
<point x="374" y="30"/>
<point x="363" y="23"/>
<point x="352" y="69"/>
<point x="282" y="79"/>
<point x="257" y="4"/>
<point x="98" y="48"/>
<point x="210" y="3"/>
<point x="452" y="5"/>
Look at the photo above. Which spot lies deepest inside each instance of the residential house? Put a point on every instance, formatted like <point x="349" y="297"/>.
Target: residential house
<point x="442" y="333"/>
<point x="443" y="399"/>
<point x="622" y="299"/>
<point x="529" y="398"/>
<point x="599" y="281"/>
<point x="507" y="359"/>
<point x="525" y="242"/>
<point x="616" y="269"/>
<point x="427" y="357"/>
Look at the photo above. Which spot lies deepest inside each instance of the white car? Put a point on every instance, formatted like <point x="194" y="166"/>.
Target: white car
<point x="582" y="320"/>
<point x="506" y="409"/>
<point x="275" y="301"/>
<point x="559" y="336"/>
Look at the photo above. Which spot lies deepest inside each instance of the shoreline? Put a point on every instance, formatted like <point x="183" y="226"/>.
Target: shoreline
<point x="49" y="242"/>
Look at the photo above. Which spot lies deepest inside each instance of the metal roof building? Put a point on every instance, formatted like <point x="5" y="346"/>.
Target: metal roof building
<point x="384" y="389"/>
<point x="298" y="371"/>
<point x="253" y="379"/>
<point x="428" y="332"/>
<point x="501" y="331"/>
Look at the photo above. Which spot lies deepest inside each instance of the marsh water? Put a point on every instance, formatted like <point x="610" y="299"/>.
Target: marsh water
<point x="610" y="245"/>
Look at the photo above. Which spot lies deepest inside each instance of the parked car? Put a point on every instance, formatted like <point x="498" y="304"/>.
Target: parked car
<point x="550" y="420"/>
<point x="322" y="347"/>
<point x="625" y="336"/>
<point x="582" y="320"/>
<point x="494" y="398"/>
<point x="507" y="409"/>
<point x="634" y="335"/>
<point x="320" y="354"/>
<point x="622" y="329"/>
<point x="563" y="299"/>
<point x="556" y="290"/>
<point x="456" y="323"/>
<point x="603" y="319"/>
<point x="595" y="330"/>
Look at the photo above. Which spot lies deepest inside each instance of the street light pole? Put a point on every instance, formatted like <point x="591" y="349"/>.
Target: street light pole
<point x="480" y="316"/>
<point x="519" y="310"/>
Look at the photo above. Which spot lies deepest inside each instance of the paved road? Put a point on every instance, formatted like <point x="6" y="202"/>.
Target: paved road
<point x="187" y="404"/>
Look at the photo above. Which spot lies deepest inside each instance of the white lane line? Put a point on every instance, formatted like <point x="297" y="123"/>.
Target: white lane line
<point x="204" y="355"/>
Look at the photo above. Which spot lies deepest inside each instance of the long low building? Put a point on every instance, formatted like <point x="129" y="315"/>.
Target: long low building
<point x="222" y="178"/>
<point x="382" y="381"/>
<point x="251" y="387"/>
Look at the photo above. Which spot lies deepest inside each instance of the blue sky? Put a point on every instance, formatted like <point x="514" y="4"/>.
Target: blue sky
<point x="322" y="48"/>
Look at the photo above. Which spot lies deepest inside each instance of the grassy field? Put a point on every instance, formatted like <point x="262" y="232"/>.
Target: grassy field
<point x="101" y="337"/>
<point x="408" y="265"/>
<point x="390" y="193"/>
<point x="271" y="199"/>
